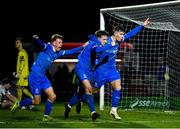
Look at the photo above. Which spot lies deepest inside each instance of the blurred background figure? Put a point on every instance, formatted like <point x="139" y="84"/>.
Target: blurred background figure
<point x="8" y="94"/>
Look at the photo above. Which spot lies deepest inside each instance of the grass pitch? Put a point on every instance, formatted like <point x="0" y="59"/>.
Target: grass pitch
<point x="130" y="119"/>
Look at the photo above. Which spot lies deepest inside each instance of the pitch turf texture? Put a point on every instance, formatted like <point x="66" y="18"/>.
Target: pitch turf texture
<point x="130" y="119"/>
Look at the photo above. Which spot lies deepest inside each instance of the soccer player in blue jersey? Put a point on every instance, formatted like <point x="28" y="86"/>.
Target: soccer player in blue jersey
<point x="84" y="69"/>
<point x="37" y="78"/>
<point x="106" y="71"/>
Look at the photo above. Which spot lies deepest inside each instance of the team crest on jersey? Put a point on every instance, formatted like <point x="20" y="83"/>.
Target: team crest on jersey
<point x="84" y="76"/>
<point x="37" y="91"/>
<point x="49" y="59"/>
<point x="22" y="58"/>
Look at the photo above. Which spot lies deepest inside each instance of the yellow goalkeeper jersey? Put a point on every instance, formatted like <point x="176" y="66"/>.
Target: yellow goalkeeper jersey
<point x="22" y="68"/>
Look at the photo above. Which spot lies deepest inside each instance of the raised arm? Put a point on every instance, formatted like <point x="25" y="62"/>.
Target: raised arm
<point x="40" y="43"/>
<point x="136" y="30"/>
<point x="132" y="32"/>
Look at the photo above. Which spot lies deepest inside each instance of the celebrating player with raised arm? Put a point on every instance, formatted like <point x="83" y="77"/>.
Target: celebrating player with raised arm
<point x="106" y="66"/>
<point x="37" y="78"/>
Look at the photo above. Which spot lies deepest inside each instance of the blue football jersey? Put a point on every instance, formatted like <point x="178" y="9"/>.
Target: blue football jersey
<point x="87" y="57"/>
<point x="106" y="58"/>
<point x="47" y="57"/>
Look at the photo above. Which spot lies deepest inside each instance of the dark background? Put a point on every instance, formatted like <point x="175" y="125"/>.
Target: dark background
<point x="72" y="18"/>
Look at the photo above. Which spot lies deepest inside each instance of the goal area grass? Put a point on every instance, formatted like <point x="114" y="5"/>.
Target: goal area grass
<point x="130" y="118"/>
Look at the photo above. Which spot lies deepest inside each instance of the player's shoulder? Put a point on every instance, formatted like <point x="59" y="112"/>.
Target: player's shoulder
<point x="22" y="51"/>
<point x="2" y="89"/>
<point x="91" y="44"/>
<point x="48" y="46"/>
<point x="94" y="44"/>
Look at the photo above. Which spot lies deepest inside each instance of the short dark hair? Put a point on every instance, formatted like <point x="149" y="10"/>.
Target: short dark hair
<point x="56" y="36"/>
<point x="101" y="33"/>
<point x="6" y="81"/>
<point x="118" y="28"/>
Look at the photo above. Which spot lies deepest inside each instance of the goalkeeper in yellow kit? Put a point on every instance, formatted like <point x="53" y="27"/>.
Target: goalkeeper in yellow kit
<point x="22" y="70"/>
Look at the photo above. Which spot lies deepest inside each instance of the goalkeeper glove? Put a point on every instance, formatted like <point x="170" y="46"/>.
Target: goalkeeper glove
<point x="16" y="75"/>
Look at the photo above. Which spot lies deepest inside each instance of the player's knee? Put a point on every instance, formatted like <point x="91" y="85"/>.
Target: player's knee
<point x="52" y="97"/>
<point x="36" y="101"/>
<point x="89" y="91"/>
<point x="117" y="88"/>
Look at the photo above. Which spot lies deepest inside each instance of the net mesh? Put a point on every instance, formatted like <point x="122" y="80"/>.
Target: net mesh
<point x="150" y="70"/>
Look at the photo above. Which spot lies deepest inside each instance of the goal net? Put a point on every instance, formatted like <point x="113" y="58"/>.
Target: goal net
<point x="150" y="70"/>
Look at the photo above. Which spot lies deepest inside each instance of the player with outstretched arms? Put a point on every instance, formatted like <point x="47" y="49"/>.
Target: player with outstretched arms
<point x="37" y="78"/>
<point x="106" y="71"/>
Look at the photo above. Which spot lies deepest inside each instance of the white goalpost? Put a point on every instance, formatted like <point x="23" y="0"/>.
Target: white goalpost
<point x="151" y="70"/>
<point x="101" y="93"/>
